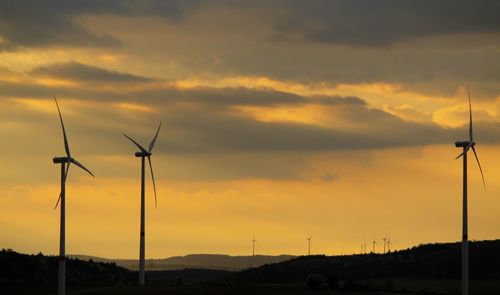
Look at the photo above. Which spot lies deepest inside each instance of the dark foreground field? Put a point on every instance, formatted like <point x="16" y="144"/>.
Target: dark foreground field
<point x="400" y="287"/>
<point x="407" y="287"/>
<point x="426" y="269"/>
<point x="222" y="290"/>
<point x="207" y="290"/>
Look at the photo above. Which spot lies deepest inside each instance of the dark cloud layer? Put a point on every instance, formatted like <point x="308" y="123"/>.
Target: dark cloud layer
<point x="204" y="120"/>
<point x="80" y="72"/>
<point x="383" y="22"/>
<point x="31" y="23"/>
<point x="226" y="133"/>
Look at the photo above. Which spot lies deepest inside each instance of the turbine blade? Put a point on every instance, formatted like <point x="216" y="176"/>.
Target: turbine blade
<point x="64" y="180"/>
<point x="58" y="199"/>
<point x="479" y="164"/>
<point x="135" y="142"/>
<point x="152" y="144"/>
<point x="470" y="116"/>
<point x="466" y="150"/>
<point x="153" y="178"/>
<point x="81" y="166"/>
<point x="66" y="145"/>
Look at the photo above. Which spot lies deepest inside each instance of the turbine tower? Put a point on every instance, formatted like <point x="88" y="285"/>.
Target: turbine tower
<point x="389" y="244"/>
<point x="466" y="145"/>
<point x="143" y="153"/>
<point x="309" y="245"/>
<point x="253" y="246"/>
<point x="65" y="163"/>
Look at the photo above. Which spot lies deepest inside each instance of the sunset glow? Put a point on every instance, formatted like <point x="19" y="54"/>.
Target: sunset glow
<point x="275" y="123"/>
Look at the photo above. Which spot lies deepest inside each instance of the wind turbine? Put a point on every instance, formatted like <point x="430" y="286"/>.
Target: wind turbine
<point x="374" y="243"/>
<point x="62" y="199"/>
<point x="309" y="245"/>
<point x="385" y="240"/>
<point x="389" y="244"/>
<point x="466" y="145"/>
<point x="253" y="246"/>
<point x="143" y="153"/>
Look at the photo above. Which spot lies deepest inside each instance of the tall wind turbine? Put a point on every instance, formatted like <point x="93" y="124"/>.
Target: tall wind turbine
<point x="309" y="245"/>
<point x="466" y="145"/>
<point x="143" y="153"/>
<point x="65" y="163"/>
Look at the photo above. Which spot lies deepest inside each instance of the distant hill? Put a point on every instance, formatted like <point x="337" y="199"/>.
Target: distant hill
<point x="200" y="261"/>
<point x="430" y="261"/>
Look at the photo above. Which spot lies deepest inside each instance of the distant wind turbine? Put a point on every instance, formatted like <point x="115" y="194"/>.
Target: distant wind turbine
<point x="389" y="244"/>
<point x="253" y="246"/>
<point x="143" y="153"/>
<point x="62" y="199"/>
<point x="374" y="243"/>
<point x="466" y="145"/>
<point x="385" y="240"/>
<point x="309" y="245"/>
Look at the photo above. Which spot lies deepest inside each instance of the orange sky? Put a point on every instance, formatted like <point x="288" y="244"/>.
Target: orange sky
<point x="274" y="125"/>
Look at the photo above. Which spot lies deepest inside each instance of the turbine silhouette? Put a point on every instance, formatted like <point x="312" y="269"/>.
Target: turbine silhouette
<point x="253" y="246"/>
<point x="65" y="163"/>
<point x="309" y="245"/>
<point x="143" y="153"/>
<point x="466" y="145"/>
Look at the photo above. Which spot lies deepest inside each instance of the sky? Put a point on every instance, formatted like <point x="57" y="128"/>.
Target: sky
<point x="280" y="120"/>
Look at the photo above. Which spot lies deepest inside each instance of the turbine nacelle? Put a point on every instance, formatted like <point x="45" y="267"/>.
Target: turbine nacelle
<point x="143" y="154"/>
<point x="59" y="160"/>
<point x="464" y="144"/>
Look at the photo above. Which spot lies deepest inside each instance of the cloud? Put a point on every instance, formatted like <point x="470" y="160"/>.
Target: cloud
<point x="31" y="23"/>
<point x="204" y="129"/>
<point x="223" y="132"/>
<point x="407" y="112"/>
<point x="85" y="73"/>
<point x="330" y="177"/>
<point x="206" y="120"/>
<point x="35" y="24"/>
<point x="382" y="23"/>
